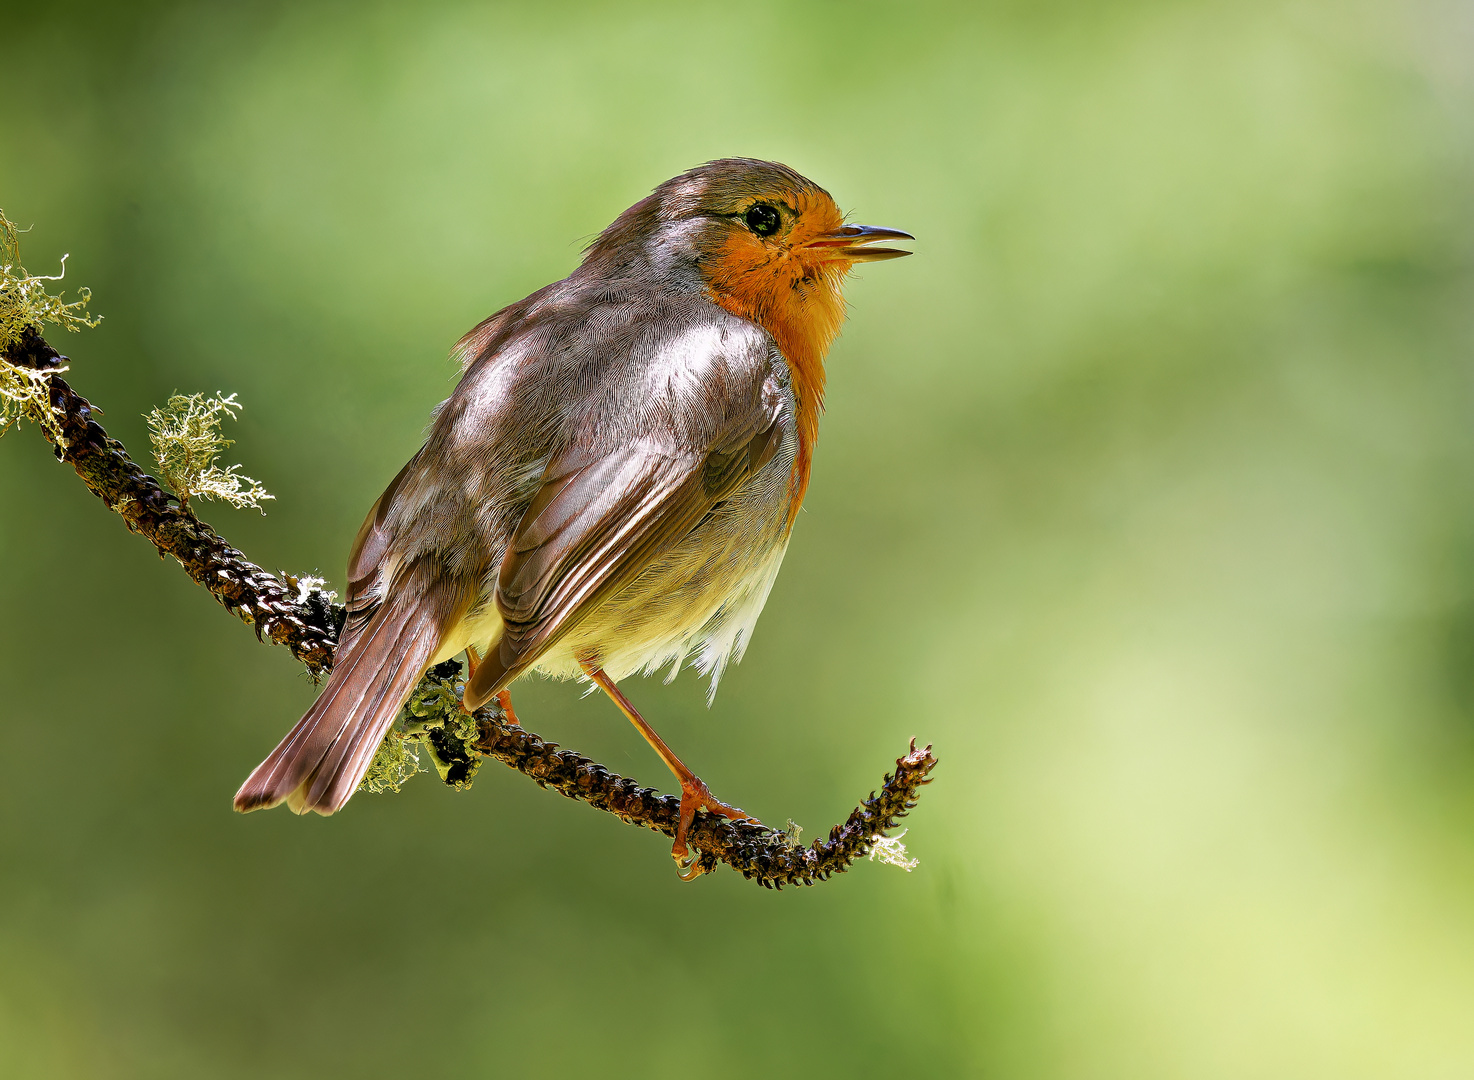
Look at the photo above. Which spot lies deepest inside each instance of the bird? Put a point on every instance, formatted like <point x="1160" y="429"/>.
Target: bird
<point x="611" y="487"/>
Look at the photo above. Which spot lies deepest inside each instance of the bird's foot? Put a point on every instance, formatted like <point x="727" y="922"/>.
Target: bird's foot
<point x="695" y="795"/>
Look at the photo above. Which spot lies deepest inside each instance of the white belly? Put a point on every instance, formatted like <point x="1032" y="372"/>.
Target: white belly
<point x="699" y="601"/>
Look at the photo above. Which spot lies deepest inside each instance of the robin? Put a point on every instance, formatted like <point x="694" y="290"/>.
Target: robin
<point x="612" y="485"/>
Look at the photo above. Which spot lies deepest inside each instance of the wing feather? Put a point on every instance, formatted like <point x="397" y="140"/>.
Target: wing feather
<point x="594" y="526"/>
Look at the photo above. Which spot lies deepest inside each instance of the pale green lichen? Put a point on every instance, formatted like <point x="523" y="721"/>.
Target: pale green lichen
<point x="889" y="849"/>
<point x="434" y="714"/>
<point x="25" y="304"/>
<point x="308" y="584"/>
<point x="397" y="759"/>
<point x="24" y="299"/>
<point x="25" y="394"/>
<point x="433" y="720"/>
<point x="186" y="438"/>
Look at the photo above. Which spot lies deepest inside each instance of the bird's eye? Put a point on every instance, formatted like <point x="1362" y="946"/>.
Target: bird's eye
<point x="763" y="219"/>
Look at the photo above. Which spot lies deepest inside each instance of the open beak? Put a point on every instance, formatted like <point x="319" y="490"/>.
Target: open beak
<point x="852" y="242"/>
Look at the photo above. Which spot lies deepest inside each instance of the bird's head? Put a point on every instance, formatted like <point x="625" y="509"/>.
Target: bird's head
<point x="766" y="242"/>
<point x="757" y="226"/>
<point x="763" y="242"/>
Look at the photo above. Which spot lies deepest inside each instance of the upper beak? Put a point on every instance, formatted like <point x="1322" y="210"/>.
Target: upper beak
<point x="850" y="242"/>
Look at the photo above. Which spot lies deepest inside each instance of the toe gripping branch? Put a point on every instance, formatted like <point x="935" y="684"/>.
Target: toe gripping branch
<point x="287" y="612"/>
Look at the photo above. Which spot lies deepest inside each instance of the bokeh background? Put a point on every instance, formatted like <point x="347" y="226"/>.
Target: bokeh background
<point x="1146" y="493"/>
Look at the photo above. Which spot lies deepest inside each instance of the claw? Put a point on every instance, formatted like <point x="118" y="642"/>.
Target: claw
<point x="689" y="868"/>
<point x="695" y="795"/>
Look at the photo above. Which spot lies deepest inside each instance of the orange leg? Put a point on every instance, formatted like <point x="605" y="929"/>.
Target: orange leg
<point x="695" y="795"/>
<point x="504" y="699"/>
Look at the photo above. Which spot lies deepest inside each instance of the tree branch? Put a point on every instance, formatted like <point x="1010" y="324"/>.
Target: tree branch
<point x="297" y="614"/>
<point x="277" y="607"/>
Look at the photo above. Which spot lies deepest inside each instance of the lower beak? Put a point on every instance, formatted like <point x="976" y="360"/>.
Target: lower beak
<point x="851" y="242"/>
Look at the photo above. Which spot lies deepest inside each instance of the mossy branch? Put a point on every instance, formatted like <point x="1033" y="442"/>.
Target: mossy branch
<point x="291" y="611"/>
<point x="298" y="613"/>
<point x="26" y="305"/>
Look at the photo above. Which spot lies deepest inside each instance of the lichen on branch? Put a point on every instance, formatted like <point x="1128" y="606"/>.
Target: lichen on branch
<point x="24" y="395"/>
<point x="24" y="298"/>
<point x="186" y="438"/>
<point x="25" y="306"/>
<point x="433" y="720"/>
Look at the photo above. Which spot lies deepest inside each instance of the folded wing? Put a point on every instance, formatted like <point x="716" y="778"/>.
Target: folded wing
<point x="597" y="522"/>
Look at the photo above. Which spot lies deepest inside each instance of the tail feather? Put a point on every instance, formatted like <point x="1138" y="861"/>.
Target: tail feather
<point x="321" y="762"/>
<point x="335" y="780"/>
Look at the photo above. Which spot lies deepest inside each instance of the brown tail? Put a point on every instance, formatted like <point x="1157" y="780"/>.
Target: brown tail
<point x="320" y="763"/>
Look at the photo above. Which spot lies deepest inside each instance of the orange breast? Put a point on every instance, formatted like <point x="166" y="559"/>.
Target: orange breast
<point x="802" y="308"/>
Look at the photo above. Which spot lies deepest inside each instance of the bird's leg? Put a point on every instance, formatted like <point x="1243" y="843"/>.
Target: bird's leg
<point x="695" y="795"/>
<point x="504" y="699"/>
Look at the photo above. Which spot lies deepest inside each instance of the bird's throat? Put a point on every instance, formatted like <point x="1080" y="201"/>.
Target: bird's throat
<point x="804" y="316"/>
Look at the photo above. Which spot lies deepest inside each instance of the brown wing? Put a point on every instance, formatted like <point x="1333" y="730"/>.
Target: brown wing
<point x="369" y="548"/>
<point x="594" y="526"/>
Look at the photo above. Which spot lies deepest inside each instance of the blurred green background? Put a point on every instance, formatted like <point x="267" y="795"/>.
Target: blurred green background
<point x="1146" y="493"/>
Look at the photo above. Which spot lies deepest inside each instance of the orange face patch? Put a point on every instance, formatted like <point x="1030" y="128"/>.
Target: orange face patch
<point x="793" y="292"/>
